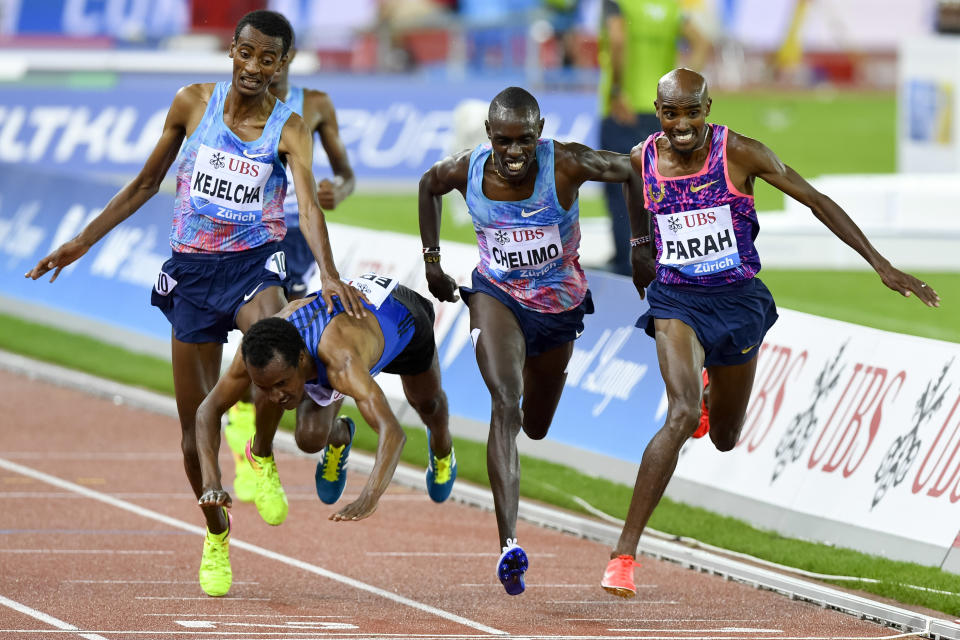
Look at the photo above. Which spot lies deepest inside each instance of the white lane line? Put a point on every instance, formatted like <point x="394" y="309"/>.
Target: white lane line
<point x="44" y="617"/>
<point x="132" y="456"/>
<point x="434" y="554"/>
<point x="240" y="615"/>
<point x="290" y="635"/>
<point x="246" y="546"/>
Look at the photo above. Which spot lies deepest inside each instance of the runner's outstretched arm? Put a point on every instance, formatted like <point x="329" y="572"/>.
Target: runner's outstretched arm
<point x="296" y="143"/>
<point x="132" y="196"/>
<point x="757" y="160"/>
<point x="230" y="388"/>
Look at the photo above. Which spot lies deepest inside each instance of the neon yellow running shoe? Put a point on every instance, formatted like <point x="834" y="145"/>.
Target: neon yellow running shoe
<point x="270" y="499"/>
<point x="241" y="426"/>
<point x="215" y="572"/>
<point x="245" y="482"/>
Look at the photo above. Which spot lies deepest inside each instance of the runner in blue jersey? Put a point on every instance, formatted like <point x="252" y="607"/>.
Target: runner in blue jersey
<point x="309" y="357"/>
<point x="528" y="294"/>
<point x="227" y="268"/>
<point x="707" y="307"/>
<point x="319" y="115"/>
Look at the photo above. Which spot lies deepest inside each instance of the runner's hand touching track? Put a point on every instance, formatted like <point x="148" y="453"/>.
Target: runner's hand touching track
<point x="362" y="507"/>
<point x="215" y="498"/>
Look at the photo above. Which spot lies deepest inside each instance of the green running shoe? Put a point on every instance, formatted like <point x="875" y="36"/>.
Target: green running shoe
<point x="215" y="573"/>
<point x="271" y="501"/>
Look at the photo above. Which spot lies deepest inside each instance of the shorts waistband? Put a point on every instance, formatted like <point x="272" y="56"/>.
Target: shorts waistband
<point x="264" y="250"/>
<point x="719" y="290"/>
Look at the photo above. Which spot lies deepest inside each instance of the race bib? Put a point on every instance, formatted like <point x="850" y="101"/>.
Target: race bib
<point x="698" y="242"/>
<point x="229" y="187"/>
<point x="527" y="250"/>
<point x="165" y="284"/>
<point x="376" y="287"/>
<point x="277" y="263"/>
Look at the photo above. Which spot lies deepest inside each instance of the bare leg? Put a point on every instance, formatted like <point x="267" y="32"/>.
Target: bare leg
<point x="196" y="368"/>
<point x="543" y="379"/>
<point x="426" y="396"/>
<point x="500" y="352"/>
<point x="315" y="426"/>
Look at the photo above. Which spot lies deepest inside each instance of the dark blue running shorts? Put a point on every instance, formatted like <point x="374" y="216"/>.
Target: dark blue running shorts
<point x="541" y="331"/>
<point x="201" y="293"/>
<point x="300" y="262"/>
<point x="730" y="320"/>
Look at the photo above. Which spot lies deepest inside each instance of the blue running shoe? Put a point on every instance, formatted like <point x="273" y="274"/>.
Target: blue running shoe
<point x="511" y="566"/>
<point x="441" y="472"/>
<point x="331" y="473"/>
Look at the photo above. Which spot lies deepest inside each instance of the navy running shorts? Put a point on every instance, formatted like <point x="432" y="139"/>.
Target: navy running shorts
<point x="417" y="356"/>
<point x="730" y="320"/>
<point x="541" y="331"/>
<point x="300" y="262"/>
<point x="201" y="293"/>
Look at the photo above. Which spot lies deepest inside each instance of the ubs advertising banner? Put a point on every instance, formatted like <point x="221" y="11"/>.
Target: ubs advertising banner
<point x="394" y="129"/>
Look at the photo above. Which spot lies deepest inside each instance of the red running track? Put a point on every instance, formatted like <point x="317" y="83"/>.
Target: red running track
<point x="100" y="538"/>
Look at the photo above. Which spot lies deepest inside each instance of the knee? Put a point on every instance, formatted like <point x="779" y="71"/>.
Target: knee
<point x="536" y="431"/>
<point x="429" y="406"/>
<point x="310" y="440"/>
<point x="725" y="435"/>
<point x="683" y="417"/>
<point x="505" y="400"/>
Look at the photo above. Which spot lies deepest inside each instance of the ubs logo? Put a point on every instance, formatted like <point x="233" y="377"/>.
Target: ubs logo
<point x="674" y="223"/>
<point x="501" y="237"/>
<point x="217" y="161"/>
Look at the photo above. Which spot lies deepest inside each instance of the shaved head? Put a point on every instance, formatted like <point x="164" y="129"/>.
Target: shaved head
<point x="683" y="84"/>
<point x="513" y="100"/>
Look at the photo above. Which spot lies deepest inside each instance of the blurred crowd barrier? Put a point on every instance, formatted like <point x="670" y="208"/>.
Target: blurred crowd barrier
<point x="795" y="42"/>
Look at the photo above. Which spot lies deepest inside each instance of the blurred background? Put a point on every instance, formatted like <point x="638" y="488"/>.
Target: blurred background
<point x="858" y="96"/>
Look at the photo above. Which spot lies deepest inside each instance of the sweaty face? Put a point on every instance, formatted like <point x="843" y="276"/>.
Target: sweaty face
<point x="513" y="138"/>
<point x="683" y="119"/>
<point x="256" y="58"/>
<point x="282" y="383"/>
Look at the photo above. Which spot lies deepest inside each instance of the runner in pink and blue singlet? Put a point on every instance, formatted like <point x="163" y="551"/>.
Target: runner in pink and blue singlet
<point x="704" y="231"/>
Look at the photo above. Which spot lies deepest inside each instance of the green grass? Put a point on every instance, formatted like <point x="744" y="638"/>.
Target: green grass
<point x="541" y="480"/>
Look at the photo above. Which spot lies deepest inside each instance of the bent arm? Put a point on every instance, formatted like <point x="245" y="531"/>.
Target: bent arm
<point x="642" y="247"/>
<point x="296" y="143"/>
<point x="443" y="177"/>
<point x="132" y="196"/>
<point x="344" y="181"/>
<point x="579" y="163"/>
<point x="229" y="389"/>
<point x="353" y="379"/>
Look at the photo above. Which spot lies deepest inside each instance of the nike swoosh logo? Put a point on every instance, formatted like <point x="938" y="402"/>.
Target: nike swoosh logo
<point x="247" y="296"/>
<point x="695" y="188"/>
<point x="748" y="349"/>
<point x="527" y="215"/>
<point x="260" y="155"/>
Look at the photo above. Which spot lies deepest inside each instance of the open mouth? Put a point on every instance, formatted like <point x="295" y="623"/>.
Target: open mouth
<point x="249" y="83"/>
<point x="684" y="138"/>
<point x="513" y="166"/>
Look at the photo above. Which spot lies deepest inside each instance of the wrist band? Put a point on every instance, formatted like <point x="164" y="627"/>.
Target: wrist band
<point x="427" y="250"/>
<point x="636" y="242"/>
<point x="431" y="257"/>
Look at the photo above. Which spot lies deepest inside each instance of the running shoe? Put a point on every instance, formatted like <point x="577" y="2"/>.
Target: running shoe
<point x="241" y="426"/>
<point x="511" y="566"/>
<point x="441" y="472"/>
<point x="618" y="578"/>
<point x="215" y="573"/>
<point x="704" y="426"/>
<point x="270" y="499"/>
<point x="331" y="475"/>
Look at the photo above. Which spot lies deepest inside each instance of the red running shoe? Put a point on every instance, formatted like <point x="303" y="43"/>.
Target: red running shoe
<point x="704" y="426"/>
<point x="618" y="578"/>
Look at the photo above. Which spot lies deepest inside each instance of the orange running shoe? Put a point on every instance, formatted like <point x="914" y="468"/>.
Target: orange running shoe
<point x="618" y="578"/>
<point x="704" y="426"/>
